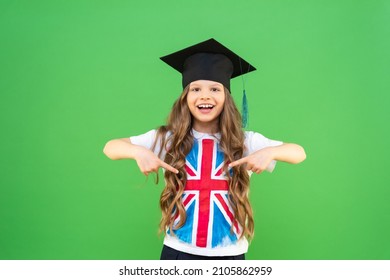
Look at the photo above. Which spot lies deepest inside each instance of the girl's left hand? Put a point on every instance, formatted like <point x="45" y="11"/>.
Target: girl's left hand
<point x="256" y="162"/>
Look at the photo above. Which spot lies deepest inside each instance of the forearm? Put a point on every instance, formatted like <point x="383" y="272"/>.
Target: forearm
<point x="289" y="152"/>
<point x="120" y="149"/>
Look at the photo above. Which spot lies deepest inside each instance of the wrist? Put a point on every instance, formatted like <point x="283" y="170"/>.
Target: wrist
<point x="274" y="153"/>
<point x="135" y="151"/>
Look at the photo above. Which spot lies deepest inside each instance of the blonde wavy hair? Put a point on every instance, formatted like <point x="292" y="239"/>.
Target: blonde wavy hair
<point x="178" y="143"/>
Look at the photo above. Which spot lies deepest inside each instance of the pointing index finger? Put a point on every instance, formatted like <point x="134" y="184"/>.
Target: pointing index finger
<point x="238" y="162"/>
<point x="166" y="166"/>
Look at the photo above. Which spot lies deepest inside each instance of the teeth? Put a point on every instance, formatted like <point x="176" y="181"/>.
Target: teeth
<point x="206" y="106"/>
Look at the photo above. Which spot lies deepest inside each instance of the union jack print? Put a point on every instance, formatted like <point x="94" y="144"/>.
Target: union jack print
<point x="205" y="199"/>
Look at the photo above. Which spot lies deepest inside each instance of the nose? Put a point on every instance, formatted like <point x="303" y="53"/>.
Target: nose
<point x="205" y="95"/>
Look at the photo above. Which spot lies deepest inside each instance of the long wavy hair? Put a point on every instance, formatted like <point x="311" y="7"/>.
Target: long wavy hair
<point x="176" y="139"/>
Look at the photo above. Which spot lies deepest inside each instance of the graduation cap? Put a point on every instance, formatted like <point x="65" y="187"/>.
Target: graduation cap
<point x="209" y="60"/>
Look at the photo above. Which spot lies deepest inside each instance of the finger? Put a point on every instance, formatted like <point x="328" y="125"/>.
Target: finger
<point x="238" y="162"/>
<point x="166" y="166"/>
<point x="250" y="167"/>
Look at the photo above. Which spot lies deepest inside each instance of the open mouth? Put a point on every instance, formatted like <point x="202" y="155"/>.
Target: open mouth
<point x="205" y="108"/>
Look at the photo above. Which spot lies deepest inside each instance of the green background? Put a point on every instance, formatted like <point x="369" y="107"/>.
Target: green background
<point x="75" y="74"/>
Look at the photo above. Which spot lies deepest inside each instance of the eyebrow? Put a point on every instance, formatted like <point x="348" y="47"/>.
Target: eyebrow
<point x="212" y="85"/>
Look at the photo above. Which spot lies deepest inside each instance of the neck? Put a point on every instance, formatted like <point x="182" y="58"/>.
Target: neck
<point x="209" y="128"/>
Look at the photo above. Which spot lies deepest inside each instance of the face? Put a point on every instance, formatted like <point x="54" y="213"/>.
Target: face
<point x="206" y="100"/>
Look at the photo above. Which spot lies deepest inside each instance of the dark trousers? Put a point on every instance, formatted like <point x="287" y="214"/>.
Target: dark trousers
<point x="169" y="253"/>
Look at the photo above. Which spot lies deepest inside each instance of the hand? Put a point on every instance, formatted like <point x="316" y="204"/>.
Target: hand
<point x="256" y="162"/>
<point x="148" y="162"/>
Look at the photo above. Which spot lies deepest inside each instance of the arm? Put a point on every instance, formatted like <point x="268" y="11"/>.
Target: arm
<point x="121" y="149"/>
<point x="259" y="160"/>
<point x="147" y="161"/>
<point x="288" y="152"/>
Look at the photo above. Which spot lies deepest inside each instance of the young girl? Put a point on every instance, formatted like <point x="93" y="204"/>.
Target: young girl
<point x="207" y="158"/>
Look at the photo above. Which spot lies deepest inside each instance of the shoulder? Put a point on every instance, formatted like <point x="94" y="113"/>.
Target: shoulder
<point x="151" y="134"/>
<point x="151" y="140"/>
<point x="254" y="136"/>
<point x="255" y="141"/>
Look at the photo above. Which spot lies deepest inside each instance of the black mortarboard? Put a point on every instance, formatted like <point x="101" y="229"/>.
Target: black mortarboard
<point x="208" y="60"/>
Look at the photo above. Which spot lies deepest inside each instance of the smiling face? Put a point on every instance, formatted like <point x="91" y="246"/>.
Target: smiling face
<point x="205" y="100"/>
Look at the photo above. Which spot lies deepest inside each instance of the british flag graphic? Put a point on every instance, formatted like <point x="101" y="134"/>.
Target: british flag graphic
<point x="205" y="199"/>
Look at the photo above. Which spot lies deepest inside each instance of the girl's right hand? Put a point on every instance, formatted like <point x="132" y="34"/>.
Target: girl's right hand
<point x="148" y="162"/>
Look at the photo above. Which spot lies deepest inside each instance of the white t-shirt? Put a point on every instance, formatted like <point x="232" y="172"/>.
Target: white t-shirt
<point x="209" y="216"/>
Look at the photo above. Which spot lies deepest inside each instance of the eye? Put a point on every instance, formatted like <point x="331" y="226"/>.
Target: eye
<point x="215" y="89"/>
<point x="195" y="89"/>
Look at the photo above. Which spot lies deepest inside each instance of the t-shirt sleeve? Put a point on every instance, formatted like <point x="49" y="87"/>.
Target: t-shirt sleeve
<point x="146" y="140"/>
<point x="255" y="141"/>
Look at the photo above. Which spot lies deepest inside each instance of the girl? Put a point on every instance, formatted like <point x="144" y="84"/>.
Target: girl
<point x="207" y="158"/>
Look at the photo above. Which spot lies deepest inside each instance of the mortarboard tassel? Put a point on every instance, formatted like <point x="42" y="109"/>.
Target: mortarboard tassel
<point x="244" y="111"/>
